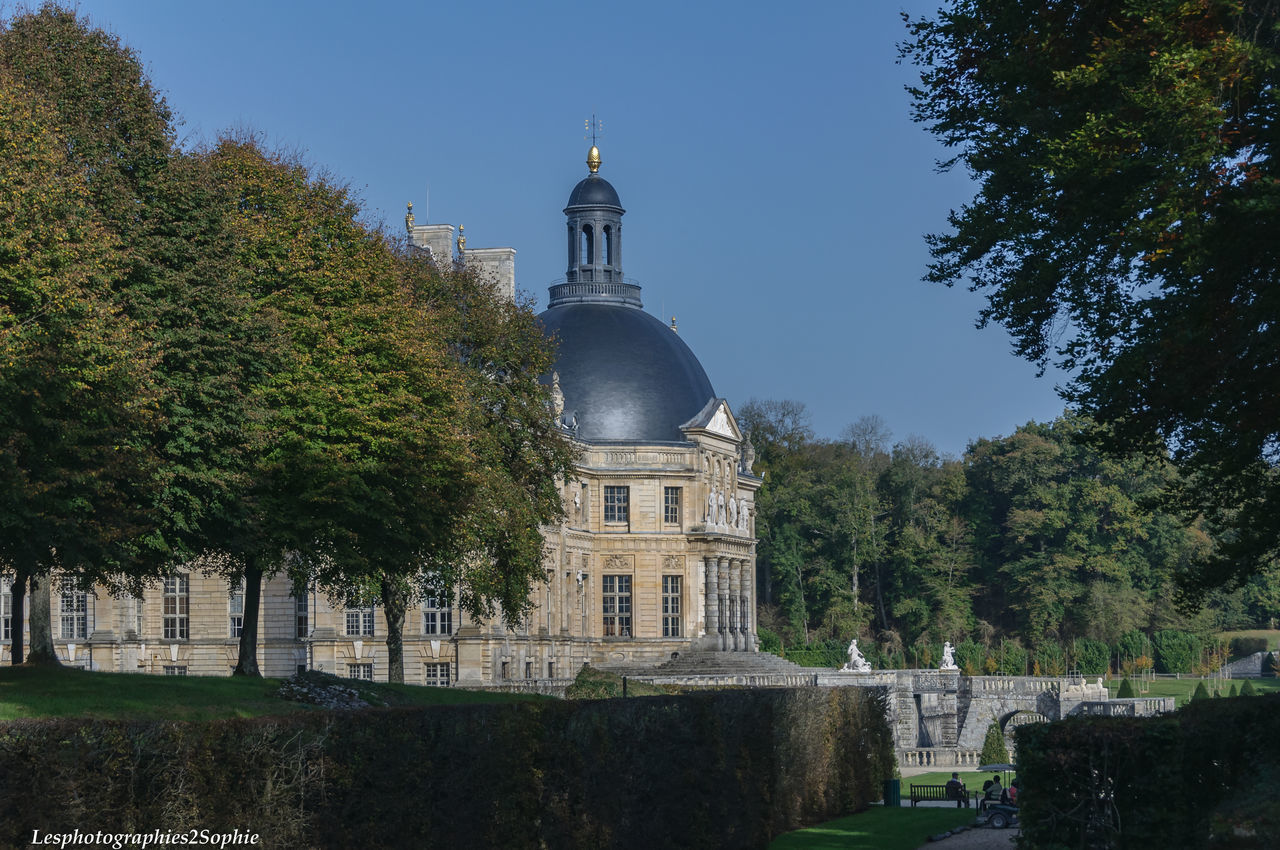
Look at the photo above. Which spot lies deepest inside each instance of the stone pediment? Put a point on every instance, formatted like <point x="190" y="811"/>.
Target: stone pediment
<point x="716" y="418"/>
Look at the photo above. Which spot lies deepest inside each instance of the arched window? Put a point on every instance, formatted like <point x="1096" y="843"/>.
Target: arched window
<point x="608" y="245"/>
<point x="588" y="246"/>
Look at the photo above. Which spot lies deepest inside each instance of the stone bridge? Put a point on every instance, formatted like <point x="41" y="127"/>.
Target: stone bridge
<point x="940" y="718"/>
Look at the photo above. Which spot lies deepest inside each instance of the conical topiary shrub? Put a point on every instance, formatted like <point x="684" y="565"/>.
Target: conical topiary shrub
<point x="1247" y="689"/>
<point x="994" y="750"/>
<point x="1126" y="689"/>
<point x="1201" y="692"/>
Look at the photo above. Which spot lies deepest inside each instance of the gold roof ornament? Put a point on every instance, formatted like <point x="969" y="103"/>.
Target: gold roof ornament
<point x="593" y="159"/>
<point x="673" y="325"/>
<point x="408" y="218"/>
<point x="462" y="239"/>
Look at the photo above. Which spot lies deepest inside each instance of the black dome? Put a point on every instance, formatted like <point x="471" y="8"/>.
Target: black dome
<point x="594" y="191"/>
<point x="624" y="374"/>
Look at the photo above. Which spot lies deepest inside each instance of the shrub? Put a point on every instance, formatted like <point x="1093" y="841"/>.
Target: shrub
<point x="755" y="762"/>
<point x="1233" y="692"/>
<point x="969" y="656"/>
<point x="1091" y="657"/>
<point x="1201" y="692"/>
<point x="994" y="749"/>
<point x="1176" y="651"/>
<point x="1243" y="647"/>
<point x="769" y="641"/>
<point x="1012" y="658"/>
<point x="1126" y="689"/>
<point x="1248" y="690"/>
<point x="1133" y="644"/>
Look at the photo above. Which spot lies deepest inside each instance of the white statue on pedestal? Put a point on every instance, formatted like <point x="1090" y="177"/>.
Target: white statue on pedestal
<point x="948" y="657"/>
<point x="857" y="664"/>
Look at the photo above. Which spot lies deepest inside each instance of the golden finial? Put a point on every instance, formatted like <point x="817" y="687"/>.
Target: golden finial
<point x="673" y="325"/>
<point x="462" y="239"/>
<point x="408" y="218"/>
<point x="594" y="125"/>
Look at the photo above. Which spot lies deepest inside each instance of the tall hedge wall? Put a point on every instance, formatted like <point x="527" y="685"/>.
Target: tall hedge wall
<point x="724" y="769"/>
<point x="1207" y="776"/>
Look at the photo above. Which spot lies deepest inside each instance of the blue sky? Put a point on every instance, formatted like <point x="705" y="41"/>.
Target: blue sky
<point x="777" y="192"/>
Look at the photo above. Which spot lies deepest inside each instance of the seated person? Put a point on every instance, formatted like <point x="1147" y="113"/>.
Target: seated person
<point x="1012" y="793"/>
<point x="955" y="790"/>
<point x="995" y="791"/>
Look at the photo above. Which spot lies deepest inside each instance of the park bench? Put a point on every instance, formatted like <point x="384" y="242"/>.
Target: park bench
<point x="937" y="793"/>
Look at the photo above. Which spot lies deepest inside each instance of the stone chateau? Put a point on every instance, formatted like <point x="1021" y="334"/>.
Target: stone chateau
<point x="656" y="556"/>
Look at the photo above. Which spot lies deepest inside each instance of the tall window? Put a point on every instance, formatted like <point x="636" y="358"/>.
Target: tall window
<point x="608" y="245"/>
<point x="616" y="599"/>
<point x="360" y="622"/>
<point x="360" y="671"/>
<point x="617" y="504"/>
<point x="6" y="608"/>
<point x="671" y="606"/>
<point x="302" y="626"/>
<point x="587" y="248"/>
<point x="235" y="610"/>
<point x="671" y="505"/>
<point x="75" y="611"/>
<point x="177" y="592"/>
<point x="137" y="615"/>
<point x="437" y="619"/>
<point x="436" y="674"/>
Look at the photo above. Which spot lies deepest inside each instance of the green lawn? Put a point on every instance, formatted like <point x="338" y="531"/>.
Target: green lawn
<point x="1272" y="636"/>
<point x="1181" y="689"/>
<point x="972" y="780"/>
<point x="878" y="828"/>
<point x="64" y="692"/>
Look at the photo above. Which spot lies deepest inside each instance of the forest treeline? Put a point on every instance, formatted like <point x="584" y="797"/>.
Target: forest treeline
<point x="1032" y="551"/>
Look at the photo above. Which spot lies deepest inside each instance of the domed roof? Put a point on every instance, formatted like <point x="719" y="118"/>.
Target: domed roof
<point x="625" y="375"/>
<point x="594" y="191"/>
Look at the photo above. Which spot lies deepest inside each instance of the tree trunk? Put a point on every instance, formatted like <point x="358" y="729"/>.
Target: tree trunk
<point x="247" y="662"/>
<point x="394" y="603"/>
<point x="17" y="610"/>
<point x="41" y="622"/>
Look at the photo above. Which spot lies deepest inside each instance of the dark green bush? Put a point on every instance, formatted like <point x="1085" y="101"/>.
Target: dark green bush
<point x="1243" y="647"/>
<point x="769" y="641"/>
<point x="1133" y="644"/>
<point x="1091" y="657"/>
<point x="994" y="749"/>
<point x="1126" y="689"/>
<point x="1201" y="692"/>
<point x="718" y="769"/>
<point x="1176" y="652"/>
<point x="1193" y="779"/>
<point x="1247" y="689"/>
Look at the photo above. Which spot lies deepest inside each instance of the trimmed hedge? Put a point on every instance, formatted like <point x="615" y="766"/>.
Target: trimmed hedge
<point x="1204" y="777"/>
<point x="720" y="769"/>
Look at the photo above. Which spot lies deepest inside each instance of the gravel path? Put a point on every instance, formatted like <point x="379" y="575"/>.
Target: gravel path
<point x="981" y="838"/>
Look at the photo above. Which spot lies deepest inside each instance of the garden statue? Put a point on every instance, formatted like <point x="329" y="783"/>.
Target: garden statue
<point x="857" y="664"/>
<point x="948" y="657"/>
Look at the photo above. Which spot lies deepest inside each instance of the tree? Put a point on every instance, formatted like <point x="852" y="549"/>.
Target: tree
<point x="1126" y="689"/>
<point x="175" y="281"/>
<point x="492" y="555"/>
<point x="77" y="393"/>
<point x="994" y="749"/>
<point x="1124" y="226"/>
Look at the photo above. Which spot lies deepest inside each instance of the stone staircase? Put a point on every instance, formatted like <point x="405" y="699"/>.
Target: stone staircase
<point x="720" y="668"/>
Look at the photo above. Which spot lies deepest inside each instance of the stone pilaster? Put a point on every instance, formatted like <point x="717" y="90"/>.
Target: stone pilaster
<point x="749" y="605"/>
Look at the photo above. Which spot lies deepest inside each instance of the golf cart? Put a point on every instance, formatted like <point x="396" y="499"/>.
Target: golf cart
<point x="998" y="814"/>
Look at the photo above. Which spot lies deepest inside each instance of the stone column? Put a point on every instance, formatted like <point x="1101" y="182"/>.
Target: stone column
<point x="735" y="605"/>
<point x="748" y="606"/>
<point x="723" y="568"/>
<point x="712" y="602"/>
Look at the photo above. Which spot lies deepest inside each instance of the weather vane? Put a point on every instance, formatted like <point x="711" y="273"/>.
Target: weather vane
<point x="594" y="126"/>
